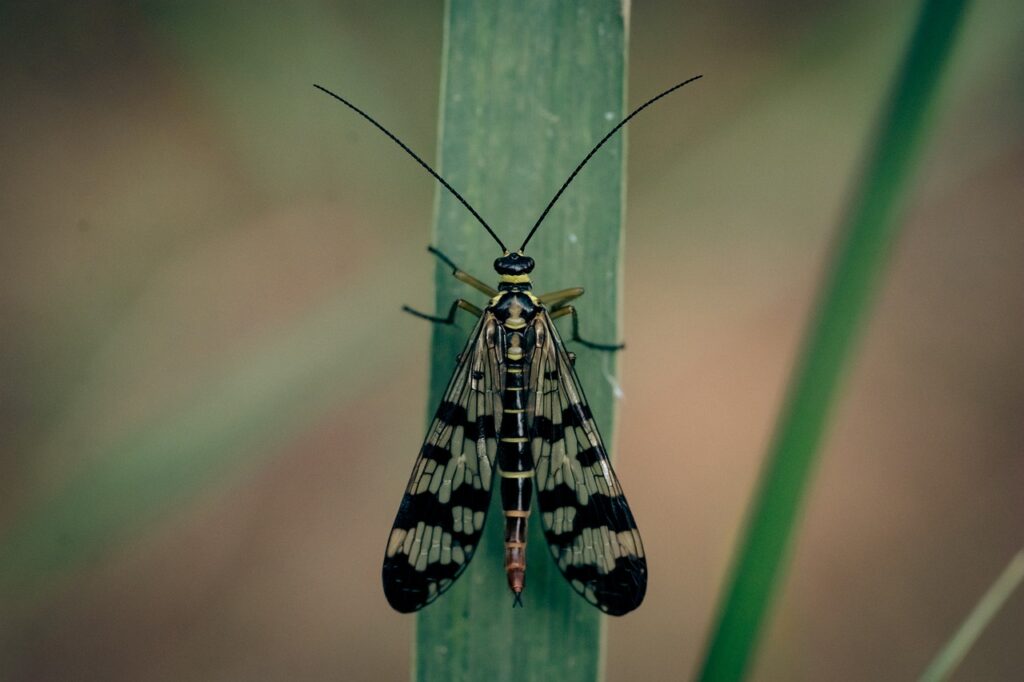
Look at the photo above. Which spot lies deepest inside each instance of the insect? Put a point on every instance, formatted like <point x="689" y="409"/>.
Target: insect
<point x="514" y="410"/>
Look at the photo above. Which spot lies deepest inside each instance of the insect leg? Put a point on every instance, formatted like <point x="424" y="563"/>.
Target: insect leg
<point x="563" y="310"/>
<point x="463" y="276"/>
<point x="557" y="299"/>
<point x="459" y="303"/>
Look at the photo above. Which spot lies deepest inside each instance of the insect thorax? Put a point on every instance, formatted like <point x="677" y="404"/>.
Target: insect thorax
<point x="515" y="308"/>
<point x="515" y="311"/>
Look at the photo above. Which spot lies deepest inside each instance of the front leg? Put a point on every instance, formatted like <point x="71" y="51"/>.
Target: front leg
<point x="459" y="303"/>
<point x="563" y="310"/>
<point x="462" y="275"/>
<point x="557" y="299"/>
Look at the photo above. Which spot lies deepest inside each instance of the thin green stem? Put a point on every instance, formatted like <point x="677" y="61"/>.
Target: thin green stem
<point x="976" y="622"/>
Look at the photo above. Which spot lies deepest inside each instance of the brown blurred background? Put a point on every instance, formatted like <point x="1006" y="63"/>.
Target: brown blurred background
<point x="209" y="400"/>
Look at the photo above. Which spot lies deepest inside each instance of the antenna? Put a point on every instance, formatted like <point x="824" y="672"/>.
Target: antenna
<point x="594" y="151"/>
<point x="413" y="155"/>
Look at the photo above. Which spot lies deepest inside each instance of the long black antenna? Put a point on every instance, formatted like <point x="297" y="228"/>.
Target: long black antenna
<point x="411" y="153"/>
<point x="594" y="151"/>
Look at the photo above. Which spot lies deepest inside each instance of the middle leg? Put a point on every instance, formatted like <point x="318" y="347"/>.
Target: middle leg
<point x="563" y="310"/>
<point x="450" y="319"/>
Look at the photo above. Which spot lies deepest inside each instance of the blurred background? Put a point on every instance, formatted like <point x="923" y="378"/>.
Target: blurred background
<point x="210" y="401"/>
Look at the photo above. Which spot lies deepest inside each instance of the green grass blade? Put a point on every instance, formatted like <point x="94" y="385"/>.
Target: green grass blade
<point x="978" y="619"/>
<point x="527" y="89"/>
<point x="869" y="229"/>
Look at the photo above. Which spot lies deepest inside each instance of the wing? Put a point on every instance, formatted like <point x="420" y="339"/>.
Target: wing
<point x="438" y="525"/>
<point x="589" y="528"/>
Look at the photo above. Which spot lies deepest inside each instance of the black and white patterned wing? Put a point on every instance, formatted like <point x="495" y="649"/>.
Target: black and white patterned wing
<point x="439" y="521"/>
<point x="589" y="527"/>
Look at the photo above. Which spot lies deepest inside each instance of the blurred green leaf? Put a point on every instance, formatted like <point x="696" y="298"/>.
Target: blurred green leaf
<point x="870" y="227"/>
<point x="264" y="397"/>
